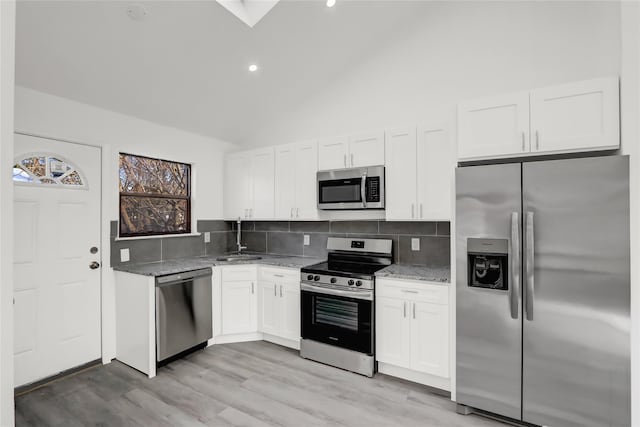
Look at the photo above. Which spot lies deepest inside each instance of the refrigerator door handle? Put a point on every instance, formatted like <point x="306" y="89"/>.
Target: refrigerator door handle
<point x="530" y="278"/>
<point x="514" y="289"/>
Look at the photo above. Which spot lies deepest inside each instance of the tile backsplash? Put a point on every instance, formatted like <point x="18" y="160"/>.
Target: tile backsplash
<point x="287" y="238"/>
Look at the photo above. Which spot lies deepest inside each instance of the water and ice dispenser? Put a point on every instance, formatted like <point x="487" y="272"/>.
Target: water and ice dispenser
<point x="488" y="263"/>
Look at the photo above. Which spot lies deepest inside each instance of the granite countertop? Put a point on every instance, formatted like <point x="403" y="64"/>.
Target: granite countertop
<point x="162" y="268"/>
<point x="412" y="272"/>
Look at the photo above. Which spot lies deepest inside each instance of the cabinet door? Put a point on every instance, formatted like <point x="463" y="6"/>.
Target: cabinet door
<point x="262" y="184"/>
<point x="393" y="341"/>
<point x="436" y="165"/>
<point x="306" y="168"/>
<point x="332" y="153"/>
<point x="430" y="338"/>
<point x="493" y="127"/>
<point x="366" y="149"/>
<point x="579" y="116"/>
<point x="285" y="181"/>
<point x="268" y="308"/>
<point x="239" y="307"/>
<point x="400" y="174"/>
<point x="290" y="310"/>
<point x="237" y="186"/>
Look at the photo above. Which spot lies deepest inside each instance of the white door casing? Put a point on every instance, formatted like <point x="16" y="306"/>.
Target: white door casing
<point x="57" y="308"/>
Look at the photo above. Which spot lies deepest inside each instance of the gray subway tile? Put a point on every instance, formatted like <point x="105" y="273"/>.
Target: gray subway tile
<point x="272" y="225"/>
<point x="392" y="237"/>
<point x="255" y="241"/>
<point x="434" y="251"/>
<point x="213" y="225"/>
<point x="310" y="226"/>
<point x="422" y="228"/>
<point x="318" y="244"/>
<point x="282" y="243"/>
<point x="182" y="247"/>
<point x="142" y="250"/>
<point x="218" y="243"/>
<point x="443" y="228"/>
<point x="366" y="227"/>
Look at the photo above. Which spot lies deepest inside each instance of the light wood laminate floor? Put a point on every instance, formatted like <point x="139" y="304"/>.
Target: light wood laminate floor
<point x="244" y="384"/>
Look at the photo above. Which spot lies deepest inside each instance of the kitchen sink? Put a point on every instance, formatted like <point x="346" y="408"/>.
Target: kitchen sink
<point x="238" y="257"/>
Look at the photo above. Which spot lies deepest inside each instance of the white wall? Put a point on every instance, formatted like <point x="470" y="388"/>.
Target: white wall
<point x="54" y="117"/>
<point x="462" y="50"/>
<point x="7" y="62"/>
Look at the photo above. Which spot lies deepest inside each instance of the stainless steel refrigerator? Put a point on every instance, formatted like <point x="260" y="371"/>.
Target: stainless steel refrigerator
<point x="543" y="290"/>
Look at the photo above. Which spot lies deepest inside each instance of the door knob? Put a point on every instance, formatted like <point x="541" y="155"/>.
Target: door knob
<point x="94" y="265"/>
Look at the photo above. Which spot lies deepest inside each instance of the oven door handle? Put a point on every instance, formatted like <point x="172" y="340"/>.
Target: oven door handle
<point x="363" y="190"/>
<point x="364" y="295"/>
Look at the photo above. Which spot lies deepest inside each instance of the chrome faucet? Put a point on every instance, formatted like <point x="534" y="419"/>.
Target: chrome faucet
<point x="238" y="244"/>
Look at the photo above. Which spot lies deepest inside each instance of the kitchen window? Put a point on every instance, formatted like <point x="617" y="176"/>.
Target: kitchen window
<point x="155" y="196"/>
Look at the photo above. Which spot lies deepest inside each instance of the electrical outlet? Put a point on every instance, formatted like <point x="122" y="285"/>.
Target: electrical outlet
<point x="306" y="240"/>
<point x="415" y="244"/>
<point x="124" y="255"/>
<point x="207" y="237"/>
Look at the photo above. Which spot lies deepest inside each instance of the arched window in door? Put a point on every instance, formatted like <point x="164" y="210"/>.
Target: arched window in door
<point x="47" y="169"/>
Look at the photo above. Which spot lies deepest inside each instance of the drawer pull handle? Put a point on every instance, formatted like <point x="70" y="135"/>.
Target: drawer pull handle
<point x="409" y="292"/>
<point x="279" y="275"/>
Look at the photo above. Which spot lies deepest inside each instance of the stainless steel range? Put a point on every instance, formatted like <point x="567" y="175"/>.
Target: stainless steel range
<point x="337" y="304"/>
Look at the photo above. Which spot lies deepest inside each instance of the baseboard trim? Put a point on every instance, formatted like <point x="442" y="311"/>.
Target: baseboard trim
<point x="415" y="376"/>
<point x="228" y="339"/>
<point x="285" y="342"/>
<point x="27" y="388"/>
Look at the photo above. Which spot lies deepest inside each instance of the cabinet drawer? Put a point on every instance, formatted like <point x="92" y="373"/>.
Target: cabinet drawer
<point x="272" y="274"/>
<point x="238" y="273"/>
<point x="415" y="291"/>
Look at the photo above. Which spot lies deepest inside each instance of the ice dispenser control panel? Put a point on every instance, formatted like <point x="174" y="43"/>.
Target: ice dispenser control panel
<point x="488" y="263"/>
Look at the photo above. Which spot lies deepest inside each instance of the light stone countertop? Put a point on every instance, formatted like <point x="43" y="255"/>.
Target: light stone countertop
<point x="412" y="272"/>
<point x="162" y="268"/>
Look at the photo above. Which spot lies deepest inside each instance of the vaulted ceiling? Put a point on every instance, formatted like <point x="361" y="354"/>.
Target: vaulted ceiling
<point x="185" y="63"/>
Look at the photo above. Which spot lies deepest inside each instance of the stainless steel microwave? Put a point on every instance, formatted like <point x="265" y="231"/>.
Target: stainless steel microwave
<point x="357" y="188"/>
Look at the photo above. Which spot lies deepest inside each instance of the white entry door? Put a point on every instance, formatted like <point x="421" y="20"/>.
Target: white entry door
<point x="57" y="238"/>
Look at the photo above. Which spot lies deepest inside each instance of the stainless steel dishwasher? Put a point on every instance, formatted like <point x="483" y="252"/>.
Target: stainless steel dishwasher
<point x="183" y="312"/>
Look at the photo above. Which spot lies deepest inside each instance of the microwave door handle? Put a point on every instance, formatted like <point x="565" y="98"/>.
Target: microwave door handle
<point x="363" y="190"/>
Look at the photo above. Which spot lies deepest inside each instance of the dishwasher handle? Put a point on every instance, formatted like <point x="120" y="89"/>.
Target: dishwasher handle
<point x="172" y="279"/>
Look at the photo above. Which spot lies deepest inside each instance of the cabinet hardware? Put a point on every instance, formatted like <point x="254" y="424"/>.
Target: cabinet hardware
<point x="522" y="141"/>
<point x="537" y="140"/>
<point x="279" y="275"/>
<point x="414" y="310"/>
<point x="297" y="212"/>
<point x="412" y="215"/>
<point x="345" y="160"/>
<point x="351" y="159"/>
<point x="275" y="292"/>
<point x="94" y="265"/>
<point x="421" y="210"/>
<point x="280" y="291"/>
<point x="252" y="287"/>
<point x="404" y="309"/>
<point x="291" y="213"/>
<point x="409" y="291"/>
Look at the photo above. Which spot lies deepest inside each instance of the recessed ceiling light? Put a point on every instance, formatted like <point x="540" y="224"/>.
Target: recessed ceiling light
<point x="253" y="68"/>
<point x="331" y="3"/>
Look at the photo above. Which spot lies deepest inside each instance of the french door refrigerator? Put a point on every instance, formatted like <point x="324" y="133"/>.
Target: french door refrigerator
<point x="543" y="289"/>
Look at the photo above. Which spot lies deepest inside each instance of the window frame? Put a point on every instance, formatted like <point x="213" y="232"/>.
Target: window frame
<point x="188" y="229"/>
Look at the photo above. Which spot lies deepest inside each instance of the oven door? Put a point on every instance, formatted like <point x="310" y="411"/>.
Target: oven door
<point x="337" y="317"/>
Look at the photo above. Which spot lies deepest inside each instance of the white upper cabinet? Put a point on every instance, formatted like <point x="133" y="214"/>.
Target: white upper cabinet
<point x="262" y="184"/>
<point x="494" y="127"/>
<point x="568" y="118"/>
<point x="419" y="173"/>
<point x="366" y="149"/>
<point x="249" y="184"/>
<point x="295" y="181"/>
<point x="333" y="153"/>
<point x="578" y="116"/>
<point x="401" y="174"/>
<point x="436" y="165"/>
<point x="357" y="150"/>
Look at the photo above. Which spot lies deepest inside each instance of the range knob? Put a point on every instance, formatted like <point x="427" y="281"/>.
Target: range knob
<point x="350" y="282"/>
<point x="359" y="283"/>
<point x="310" y="277"/>
<point x="333" y="280"/>
<point x="316" y="278"/>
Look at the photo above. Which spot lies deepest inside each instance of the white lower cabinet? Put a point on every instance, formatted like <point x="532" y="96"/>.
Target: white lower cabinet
<point x="412" y="331"/>
<point x="279" y="304"/>
<point x="239" y="300"/>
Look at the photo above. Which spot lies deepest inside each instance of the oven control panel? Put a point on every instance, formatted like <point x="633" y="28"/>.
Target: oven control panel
<point x="323" y="279"/>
